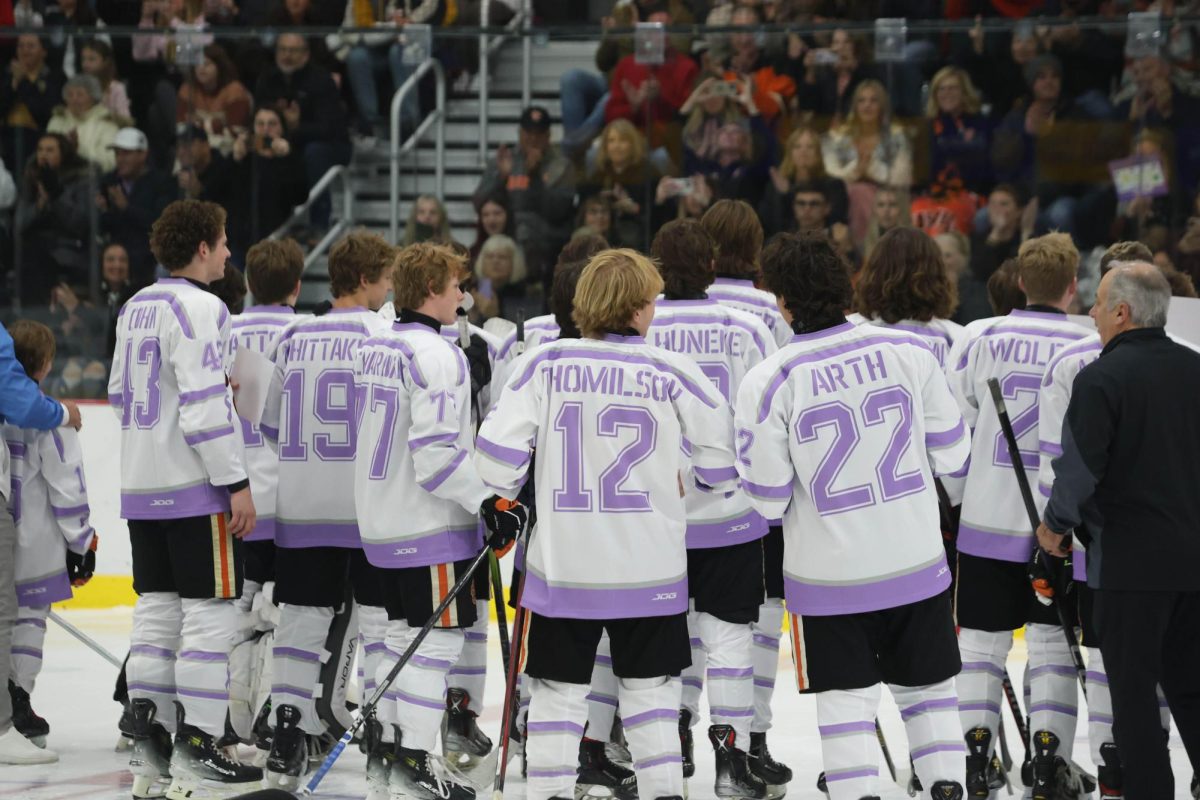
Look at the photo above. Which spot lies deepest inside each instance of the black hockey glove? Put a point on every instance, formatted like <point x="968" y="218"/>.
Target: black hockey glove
<point x="505" y="520"/>
<point x="80" y="568"/>
<point x="1050" y="576"/>
<point x="481" y="367"/>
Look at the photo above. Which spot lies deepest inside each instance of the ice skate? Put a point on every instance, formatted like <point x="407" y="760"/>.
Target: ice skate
<point x="150" y="756"/>
<point x="979" y="743"/>
<point x="773" y="773"/>
<point x="600" y="777"/>
<point x="25" y="719"/>
<point x="1050" y="772"/>
<point x="734" y="777"/>
<point x="418" y="774"/>
<point x="462" y="741"/>
<point x="946" y="790"/>
<point x="288" y="760"/>
<point x="686" y="745"/>
<point x="124" y="743"/>
<point x="202" y="771"/>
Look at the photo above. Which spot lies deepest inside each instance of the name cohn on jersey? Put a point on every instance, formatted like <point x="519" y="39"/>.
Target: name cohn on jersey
<point x="321" y="348"/>
<point x="727" y="341"/>
<point x="611" y="380"/>
<point x="828" y="377"/>
<point x="143" y="317"/>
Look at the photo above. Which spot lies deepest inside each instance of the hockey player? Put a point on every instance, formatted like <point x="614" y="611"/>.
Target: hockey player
<point x="186" y="496"/>
<point x="995" y="544"/>
<point x="273" y="270"/>
<point x="416" y="439"/>
<point x="607" y="415"/>
<point x="735" y="228"/>
<point x="310" y="415"/>
<point x="841" y="433"/>
<point x="56" y="545"/>
<point x="724" y="534"/>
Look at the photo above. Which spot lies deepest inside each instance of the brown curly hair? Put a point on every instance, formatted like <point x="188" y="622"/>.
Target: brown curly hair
<point x="905" y="278"/>
<point x="684" y="252"/>
<point x="176" y="235"/>
<point x="810" y="276"/>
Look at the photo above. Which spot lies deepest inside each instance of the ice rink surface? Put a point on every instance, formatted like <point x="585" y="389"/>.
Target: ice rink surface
<point x="74" y="694"/>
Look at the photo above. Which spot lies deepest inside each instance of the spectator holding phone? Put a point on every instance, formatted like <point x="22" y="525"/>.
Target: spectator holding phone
<point x="271" y="176"/>
<point x="726" y="140"/>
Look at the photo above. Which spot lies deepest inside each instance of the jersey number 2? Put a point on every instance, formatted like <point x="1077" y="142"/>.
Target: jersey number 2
<point x="609" y="424"/>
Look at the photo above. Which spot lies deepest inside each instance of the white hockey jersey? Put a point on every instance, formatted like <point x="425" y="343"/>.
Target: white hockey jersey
<point x="941" y="334"/>
<point x="742" y="294"/>
<point x="50" y="508"/>
<point x="538" y="330"/>
<point x="607" y="418"/>
<point x="841" y="433"/>
<point x="1015" y="350"/>
<point x="310" y="413"/>
<point x="725" y="343"/>
<point x="179" y="443"/>
<point x="258" y="328"/>
<point x="416" y="489"/>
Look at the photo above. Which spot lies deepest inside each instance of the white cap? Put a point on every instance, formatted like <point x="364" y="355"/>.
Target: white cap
<point x="130" y="139"/>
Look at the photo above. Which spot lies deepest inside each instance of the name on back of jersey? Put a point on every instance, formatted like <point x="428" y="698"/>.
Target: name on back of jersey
<point x="611" y="380"/>
<point x="1037" y="352"/>
<point x="834" y="376"/>
<point x="726" y="341"/>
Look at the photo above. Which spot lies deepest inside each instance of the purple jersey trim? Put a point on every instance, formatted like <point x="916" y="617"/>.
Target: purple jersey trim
<point x="194" y="501"/>
<point x="741" y="529"/>
<point x="820" y="600"/>
<point x="1015" y="546"/>
<point x="317" y="534"/>
<point x="574" y="602"/>
<point x="44" y="591"/>
<point x="440" y="547"/>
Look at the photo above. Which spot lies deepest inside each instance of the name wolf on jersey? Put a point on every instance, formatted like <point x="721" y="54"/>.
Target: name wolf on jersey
<point x="321" y="348"/>
<point x="587" y="379"/>
<point x="1037" y="352"/>
<point x="707" y="340"/>
<point x="831" y="377"/>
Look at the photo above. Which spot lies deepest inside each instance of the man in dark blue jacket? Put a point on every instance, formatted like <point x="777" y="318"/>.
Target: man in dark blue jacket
<point x="22" y="404"/>
<point x="1129" y="473"/>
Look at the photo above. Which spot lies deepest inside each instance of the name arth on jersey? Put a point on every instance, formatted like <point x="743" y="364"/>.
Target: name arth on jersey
<point x="1015" y="350"/>
<point x="310" y="413"/>
<point x="725" y="343"/>
<point x="826" y="430"/>
<point x="416" y="489"/>
<point x="258" y="328"/>
<point x="179" y="443"/>
<point x="607" y="418"/>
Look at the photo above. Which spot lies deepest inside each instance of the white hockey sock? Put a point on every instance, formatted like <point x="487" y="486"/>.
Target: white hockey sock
<point x="210" y="630"/>
<point x="650" y="716"/>
<point x="692" y="678"/>
<point x="372" y="630"/>
<point x="1099" y="702"/>
<point x="979" y="684"/>
<point x="1054" y="696"/>
<point x="153" y="646"/>
<point x="602" y="696"/>
<point x="521" y="717"/>
<point x="296" y="660"/>
<point x="764" y="652"/>
<point x="846" y="720"/>
<point x="730" y="675"/>
<point x="419" y="691"/>
<point x="1164" y="710"/>
<point x="29" y="633"/>
<point x="557" y="711"/>
<point x="935" y="741"/>
<point x="470" y="673"/>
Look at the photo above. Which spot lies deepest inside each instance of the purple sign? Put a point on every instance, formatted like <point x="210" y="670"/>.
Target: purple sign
<point x="1138" y="176"/>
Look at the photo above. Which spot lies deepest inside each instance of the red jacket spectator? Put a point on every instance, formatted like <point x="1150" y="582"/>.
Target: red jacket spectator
<point x="631" y="100"/>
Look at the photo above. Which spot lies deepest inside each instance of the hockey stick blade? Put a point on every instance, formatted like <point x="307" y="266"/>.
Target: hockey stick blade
<point x="368" y="708"/>
<point x="1014" y="453"/>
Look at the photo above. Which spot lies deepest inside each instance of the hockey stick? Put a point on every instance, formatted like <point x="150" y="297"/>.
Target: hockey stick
<point x="501" y="611"/>
<point x="510" y="682"/>
<point x="89" y="641"/>
<point x="1014" y="453"/>
<point x="1014" y="705"/>
<point x="887" y="754"/>
<point x="369" y="707"/>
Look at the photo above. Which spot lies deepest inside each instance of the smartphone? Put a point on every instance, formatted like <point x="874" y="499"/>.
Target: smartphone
<point x="724" y="89"/>
<point x="680" y="187"/>
<point x="825" y="57"/>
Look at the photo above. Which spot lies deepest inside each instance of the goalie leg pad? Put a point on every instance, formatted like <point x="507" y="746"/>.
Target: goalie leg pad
<point x="296" y="656"/>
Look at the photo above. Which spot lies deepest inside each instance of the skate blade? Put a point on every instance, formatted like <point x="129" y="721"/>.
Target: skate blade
<point x="776" y="791"/>
<point x="193" y="789"/>
<point x="481" y="776"/>
<point x="276" y="780"/>
<point x="148" y="787"/>
<point x="124" y="745"/>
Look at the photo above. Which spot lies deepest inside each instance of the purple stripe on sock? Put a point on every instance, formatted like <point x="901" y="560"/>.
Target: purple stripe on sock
<point x="1102" y="719"/>
<point x="941" y="747"/>
<point x="651" y="715"/>
<point x="554" y="726"/>
<point x="1053" y="708"/>
<point x="475" y="636"/>
<point x="843" y="728"/>
<point x="695" y="643"/>
<point x="604" y="660"/>
<point x="32" y="652"/>
<point x="1052" y="669"/>
<point x="202" y="655"/>
<point x="764" y="683"/>
<point x="202" y="694"/>
<point x="431" y="663"/>
<point x="693" y="682"/>
<point x="983" y="666"/>
<point x="929" y="705"/>
<point x="602" y="698"/>
<point x="468" y="671"/>
<point x="763" y="640"/>
<point x="552" y="773"/>
<point x="423" y="702"/>
<point x="151" y="688"/>
<point x="375" y="647"/>
<point x="861" y="772"/>
<point x="730" y="672"/>
<point x="657" y="762"/>
<point x="980" y="706"/>
<point x="295" y="654"/>
<point x="1096" y="677"/>
<point x="295" y="691"/>
<point x="37" y="623"/>
<point x="731" y="712"/>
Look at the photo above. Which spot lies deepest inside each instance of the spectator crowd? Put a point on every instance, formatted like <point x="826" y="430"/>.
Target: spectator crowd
<point x="1017" y="123"/>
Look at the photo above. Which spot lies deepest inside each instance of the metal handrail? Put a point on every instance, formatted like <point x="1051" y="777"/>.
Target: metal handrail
<point x="340" y="173"/>
<point x="436" y="118"/>
<point x="486" y="48"/>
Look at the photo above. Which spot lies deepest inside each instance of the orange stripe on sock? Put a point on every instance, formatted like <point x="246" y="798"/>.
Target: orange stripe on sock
<point x="798" y="655"/>
<point x="226" y="578"/>
<point x="443" y="587"/>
